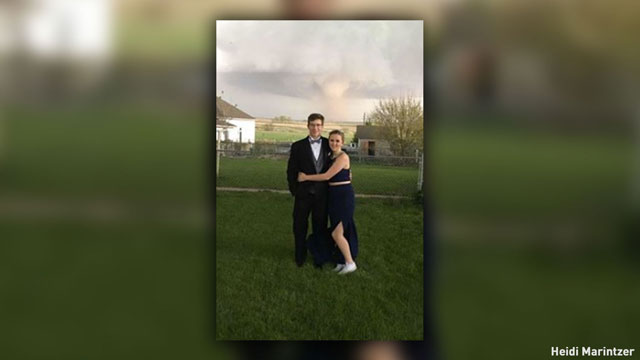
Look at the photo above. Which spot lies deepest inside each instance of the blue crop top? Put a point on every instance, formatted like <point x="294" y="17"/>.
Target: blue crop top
<point x="342" y="175"/>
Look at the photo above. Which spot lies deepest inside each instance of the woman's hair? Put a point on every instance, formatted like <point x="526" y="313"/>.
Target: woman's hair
<point x="333" y="132"/>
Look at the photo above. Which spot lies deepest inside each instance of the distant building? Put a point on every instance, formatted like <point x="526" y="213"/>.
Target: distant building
<point x="222" y="129"/>
<point x="233" y="124"/>
<point x="370" y="142"/>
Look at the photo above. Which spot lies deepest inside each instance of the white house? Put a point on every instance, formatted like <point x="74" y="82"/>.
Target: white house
<point x="233" y="124"/>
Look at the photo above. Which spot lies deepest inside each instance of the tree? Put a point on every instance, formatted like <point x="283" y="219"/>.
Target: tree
<point x="400" y="123"/>
<point x="282" y="118"/>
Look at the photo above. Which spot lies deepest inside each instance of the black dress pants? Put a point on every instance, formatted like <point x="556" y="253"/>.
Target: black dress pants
<point x="314" y="202"/>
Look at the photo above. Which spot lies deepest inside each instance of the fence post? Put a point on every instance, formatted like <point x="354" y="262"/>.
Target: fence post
<point x="218" y="157"/>
<point x="420" y="167"/>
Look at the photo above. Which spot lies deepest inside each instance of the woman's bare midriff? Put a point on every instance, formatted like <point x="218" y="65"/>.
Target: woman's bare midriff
<point x="339" y="183"/>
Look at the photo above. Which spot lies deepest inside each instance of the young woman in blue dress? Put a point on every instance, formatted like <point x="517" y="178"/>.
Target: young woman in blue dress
<point x="341" y="203"/>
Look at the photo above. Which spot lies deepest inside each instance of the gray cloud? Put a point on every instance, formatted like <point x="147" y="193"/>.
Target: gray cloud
<point x="329" y="61"/>
<point x="281" y="83"/>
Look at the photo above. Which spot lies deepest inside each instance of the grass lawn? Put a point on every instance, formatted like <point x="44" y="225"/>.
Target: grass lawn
<point x="141" y="286"/>
<point x="272" y="174"/>
<point x="279" y="136"/>
<point x="288" y="135"/>
<point x="262" y="294"/>
<point x="104" y="290"/>
<point x="505" y="174"/>
<point x="505" y="303"/>
<point x="267" y="130"/>
<point x="518" y="298"/>
<point x="132" y="154"/>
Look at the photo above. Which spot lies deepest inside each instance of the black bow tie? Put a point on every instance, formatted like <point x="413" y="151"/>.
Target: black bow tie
<point x="315" y="141"/>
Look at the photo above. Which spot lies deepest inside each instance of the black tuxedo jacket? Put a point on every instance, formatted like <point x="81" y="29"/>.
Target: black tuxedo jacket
<point x="301" y="160"/>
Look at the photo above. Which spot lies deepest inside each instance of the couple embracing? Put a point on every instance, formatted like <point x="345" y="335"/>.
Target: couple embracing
<point x="319" y="177"/>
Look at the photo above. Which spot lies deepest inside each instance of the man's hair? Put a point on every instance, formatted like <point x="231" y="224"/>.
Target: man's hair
<point x="315" y="116"/>
<point x="333" y="132"/>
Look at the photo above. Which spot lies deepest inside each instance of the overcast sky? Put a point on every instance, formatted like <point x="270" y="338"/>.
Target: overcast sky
<point x="337" y="68"/>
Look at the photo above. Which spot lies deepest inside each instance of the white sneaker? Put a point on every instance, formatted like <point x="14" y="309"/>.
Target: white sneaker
<point x="348" y="268"/>
<point x="338" y="267"/>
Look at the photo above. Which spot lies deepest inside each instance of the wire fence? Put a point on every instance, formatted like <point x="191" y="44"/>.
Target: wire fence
<point x="280" y="150"/>
<point x="405" y="161"/>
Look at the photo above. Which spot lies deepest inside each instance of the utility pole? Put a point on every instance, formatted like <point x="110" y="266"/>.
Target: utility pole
<point x="218" y="154"/>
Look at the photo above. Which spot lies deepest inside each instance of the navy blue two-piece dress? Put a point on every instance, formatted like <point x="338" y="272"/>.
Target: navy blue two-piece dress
<point x="341" y="209"/>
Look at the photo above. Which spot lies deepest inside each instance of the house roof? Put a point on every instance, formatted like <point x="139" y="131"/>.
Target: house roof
<point x="367" y="132"/>
<point x="226" y="110"/>
<point x="223" y="124"/>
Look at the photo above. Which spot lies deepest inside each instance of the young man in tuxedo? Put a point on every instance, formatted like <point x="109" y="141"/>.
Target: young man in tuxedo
<point x="310" y="156"/>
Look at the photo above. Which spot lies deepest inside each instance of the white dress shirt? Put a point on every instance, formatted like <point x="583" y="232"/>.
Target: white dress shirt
<point x="315" y="147"/>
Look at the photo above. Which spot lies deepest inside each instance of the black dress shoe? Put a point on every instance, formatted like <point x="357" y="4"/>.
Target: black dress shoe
<point x="299" y="263"/>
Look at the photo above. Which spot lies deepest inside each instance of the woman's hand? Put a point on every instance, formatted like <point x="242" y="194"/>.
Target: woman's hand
<point x="302" y="177"/>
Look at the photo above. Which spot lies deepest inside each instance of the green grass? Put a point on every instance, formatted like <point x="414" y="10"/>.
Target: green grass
<point x="279" y="136"/>
<point x="549" y="272"/>
<point x="71" y="286"/>
<point x="75" y="289"/>
<point x="272" y="174"/>
<point x="499" y="303"/>
<point x="284" y="134"/>
<point x="76" y="285"/>
<point x="262" y="294"/>
<point x="137" y="155"/>
<point x="507" y="174"/>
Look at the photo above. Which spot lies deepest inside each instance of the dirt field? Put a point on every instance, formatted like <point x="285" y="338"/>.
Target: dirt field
<point x="274" y="130"/>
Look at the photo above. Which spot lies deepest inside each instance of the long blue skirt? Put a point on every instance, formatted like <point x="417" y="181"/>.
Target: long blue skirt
<point x="341" y="209"/>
